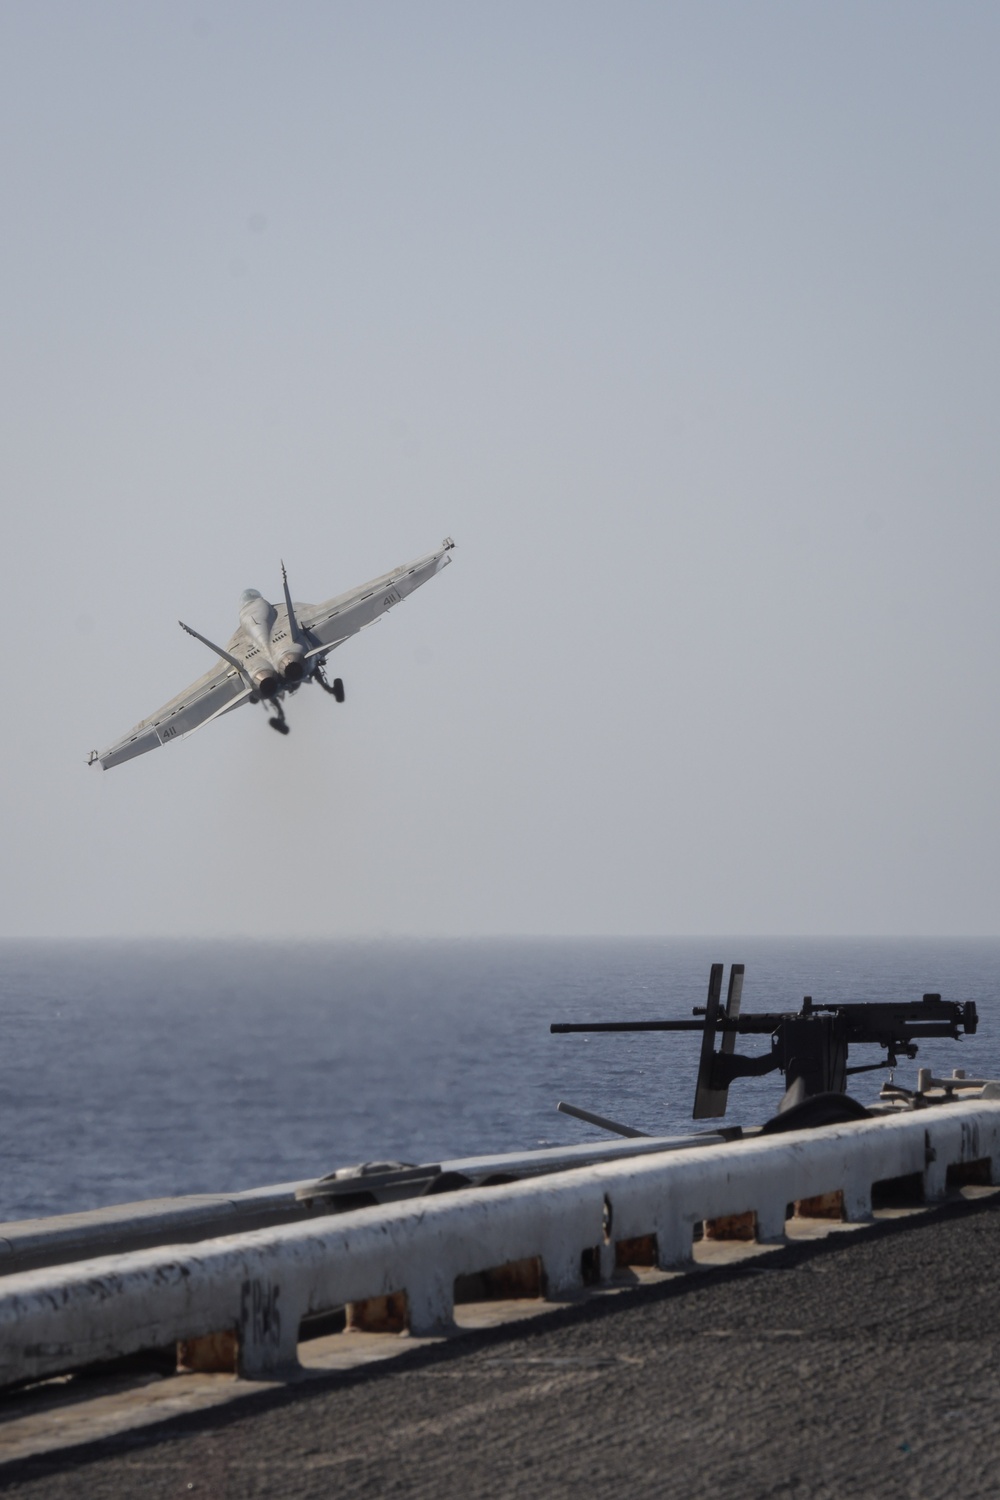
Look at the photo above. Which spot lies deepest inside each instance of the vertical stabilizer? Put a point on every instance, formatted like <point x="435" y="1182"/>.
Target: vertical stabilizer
<point x="225" y="655"/>
<point x="293" y="624"/>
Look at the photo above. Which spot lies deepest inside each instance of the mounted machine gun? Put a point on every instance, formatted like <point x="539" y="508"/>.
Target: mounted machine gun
<point x="809" y="1047"/>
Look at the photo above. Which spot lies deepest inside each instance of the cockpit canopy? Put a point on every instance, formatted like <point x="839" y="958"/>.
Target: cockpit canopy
<point x="248" y="595"/>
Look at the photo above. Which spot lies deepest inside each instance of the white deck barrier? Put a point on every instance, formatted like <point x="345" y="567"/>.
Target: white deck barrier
<point x="261" y="1284"/>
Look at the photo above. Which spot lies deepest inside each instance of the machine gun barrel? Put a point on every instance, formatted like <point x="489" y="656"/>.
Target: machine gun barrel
<point x="761" y="1024"/>
<point x="562" y="1026"/>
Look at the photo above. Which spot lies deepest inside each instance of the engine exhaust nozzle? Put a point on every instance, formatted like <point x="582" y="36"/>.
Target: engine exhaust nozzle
<point x="290" y="666"/>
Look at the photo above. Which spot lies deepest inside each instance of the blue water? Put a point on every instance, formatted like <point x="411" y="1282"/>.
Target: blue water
<point x="131" y="1070"/>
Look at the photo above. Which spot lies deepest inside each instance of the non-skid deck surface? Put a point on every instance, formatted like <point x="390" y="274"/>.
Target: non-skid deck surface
<point x="853" y="1364"/>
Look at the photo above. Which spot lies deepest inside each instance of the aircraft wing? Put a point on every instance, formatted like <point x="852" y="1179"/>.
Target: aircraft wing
<point x="213" y="694"/>
<point x="327" y="625"/>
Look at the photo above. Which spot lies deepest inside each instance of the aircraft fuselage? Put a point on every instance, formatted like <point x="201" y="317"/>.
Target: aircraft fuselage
<point x="273" y="659"/>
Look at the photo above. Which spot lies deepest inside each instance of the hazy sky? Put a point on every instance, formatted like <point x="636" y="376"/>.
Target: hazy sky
<point x="681" y="319"/>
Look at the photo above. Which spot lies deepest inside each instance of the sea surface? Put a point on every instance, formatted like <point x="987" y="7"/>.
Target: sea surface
<point x="134" y="1069"/>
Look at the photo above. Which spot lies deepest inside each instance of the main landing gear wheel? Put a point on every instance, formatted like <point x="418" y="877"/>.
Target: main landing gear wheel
<point x="334" y="688"/>
<point x="279" y="722"/>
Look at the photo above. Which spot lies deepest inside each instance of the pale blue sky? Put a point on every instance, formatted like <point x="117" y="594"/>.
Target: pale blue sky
<point x="682" y="319"/>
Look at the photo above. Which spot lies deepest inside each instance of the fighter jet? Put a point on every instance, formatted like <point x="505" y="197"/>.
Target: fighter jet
<point x="276" y="649"/>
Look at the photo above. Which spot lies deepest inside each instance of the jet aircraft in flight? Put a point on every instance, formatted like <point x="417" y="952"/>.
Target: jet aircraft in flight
<point x="276" y="649"/>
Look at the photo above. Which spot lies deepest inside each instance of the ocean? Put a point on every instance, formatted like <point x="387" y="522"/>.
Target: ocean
<point x="134" y="1069"/>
